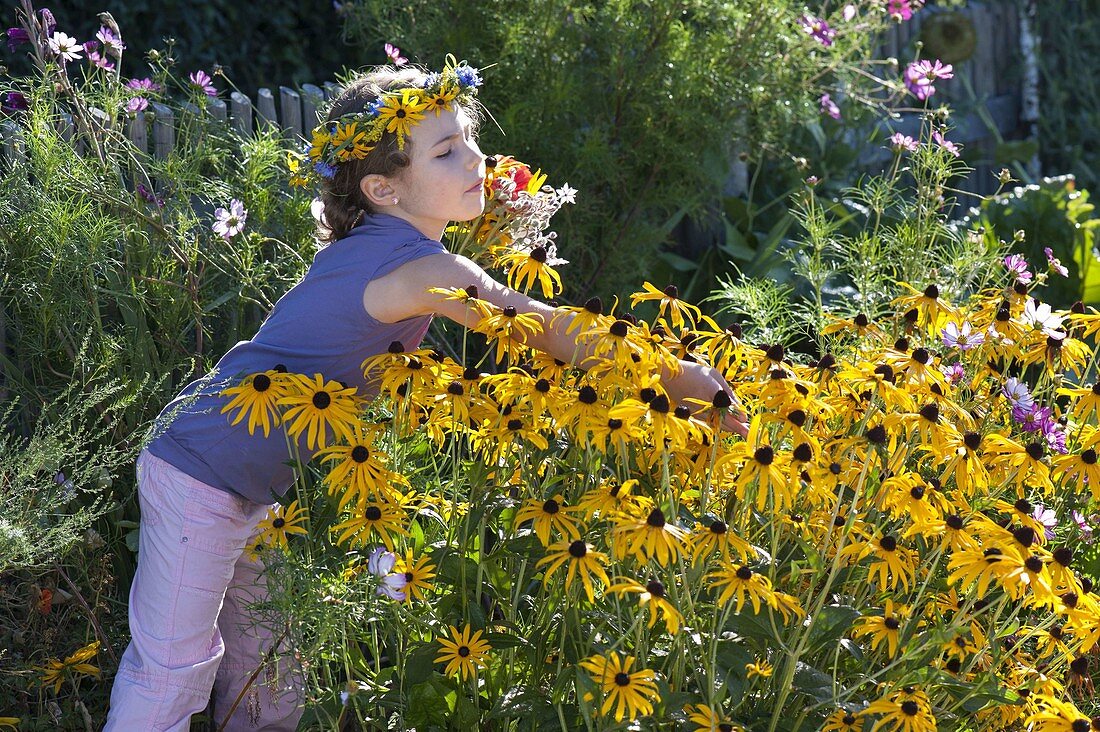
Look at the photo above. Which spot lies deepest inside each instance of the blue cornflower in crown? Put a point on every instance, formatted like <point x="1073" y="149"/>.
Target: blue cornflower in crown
<point x="353" y="136"/>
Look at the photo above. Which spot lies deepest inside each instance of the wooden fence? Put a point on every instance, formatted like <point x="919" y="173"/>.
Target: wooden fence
<point x="993" y="117"/>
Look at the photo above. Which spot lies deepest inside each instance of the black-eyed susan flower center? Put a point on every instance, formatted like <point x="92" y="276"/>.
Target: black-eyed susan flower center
<point x="542" y="386"/>
<point x="509" y="312"/>
<point x="655" y="588"/>
<point x="455" y="389"/>
<point x="647" y="394"/>
<point x="1004" y="315"/>
<point x="471" y="291"/>
<point x="682" y="412"/>
<point x="1081" y="725"/>
<point x="921" y="355"/>
<point x="891" y="623"/>
<point x="954" y="521"/>
<point x="1079" y="665"/>
<point x="725" y="727"/>
<point x="551" y="507"/>
<point x="400" y="114"/>
<point x="261" y="382"/>
<point x="861" y="320"/>
<point x="834" y="468"/>
<point x="803" y="452"/>
<point x="972" y="440"/>
<point x="992" y="554"/>
<point x="409" y="577"/>
<point x="744" y="573"/>
<point x="1035" y="450"/>
<point x="1023" y="506"/>
<point x="930" y="412"/>
<point x="764" y="455"/>
<point x="721" y="400"/>
<point x="932" y="292"/>
<point x="619" y="328"/>
<point x="877" y="435"/>
<point x="278" y="523"/>
<point x="594" y="306"/>
<point x="1070" y="599"/>
<point x="656" y="519"/>
<point x="373" y="513"/>
<point x="463" y="651"/>
<point x="797" y="418"/>
<point x="1089" y="457"/>
<point x="848" y="719"/>
<point x="322" y="399"/>
<point x="1034" y="564"/>
<point x="718" y="528"/>
<point x="775" y="353"/>
<point x="839" y="521"/>
<point x="396" y="347"/>
<point x="614" y="424"/>
<point x="1024" y="536"/>
<point x="622" y="679"/>
<point x="827" y="361"/>
<point x="539" y="254"/>
<point x="587" y="395"/>
<point x="910" y="708"/>
<point x="660" y="404"/>
<point x="578" y="549"/>
<point x="888" y="543"/>
<point x="360" y="454"/>
<point x="1063" y="555"/>
<point x="515" y="424"/>
<point x="917" y="492"/>
<point x="671" y="291"/>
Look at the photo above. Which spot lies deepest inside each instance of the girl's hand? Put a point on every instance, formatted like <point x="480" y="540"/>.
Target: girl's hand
<point x="700" y="385"/>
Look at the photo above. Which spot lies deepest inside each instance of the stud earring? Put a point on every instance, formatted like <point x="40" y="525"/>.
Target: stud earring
<point x="395" y="201"/>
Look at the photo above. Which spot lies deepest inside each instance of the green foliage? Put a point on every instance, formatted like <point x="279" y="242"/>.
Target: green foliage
<point x="1056" y="214"/>
<point x="641" y="106"/>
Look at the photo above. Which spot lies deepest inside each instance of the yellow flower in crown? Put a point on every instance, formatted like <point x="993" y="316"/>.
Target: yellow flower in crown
<point x="440" y="100"/>
<point x="349" y="142"/>
<point x="321" y="139"/>
<point x="401" y="112"/>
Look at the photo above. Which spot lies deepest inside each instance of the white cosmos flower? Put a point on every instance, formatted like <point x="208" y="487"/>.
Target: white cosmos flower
<point x="962" y="337"/>
<point x="1040" y="317"/>
<point x="230" y="222"/>
<point x="65" y="46"/>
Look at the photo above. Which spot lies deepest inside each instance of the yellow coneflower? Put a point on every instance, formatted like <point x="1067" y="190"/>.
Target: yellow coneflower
<point x="651" y="537"/>
<point x="717" y="536"/>
<point x="884" y="628"/>
<point x="1057" y="715"/>
<point x="57" y="672"/>
<point x="741" y="582"/>
<point x="1086" y="401"/>
<point x="349" y="142"/>
<point x="611" y="497"/>
<point x="418" y="575"/>
<point x="651" y="596"/>
<point x="932" y="312"/>
<point x="707" y="719"/>
<point x="1077" y="468"/>
<point x="1025" y="462"/>
<point x="525" y="268"/>
<point x="904" y="711"/>
<point x="760" y="669"/>
<point x="547" y="515"/>
<point x="317" y="405"/>
<point x="257" y="396"/>
<point x="358" y="469"/>
<point x="510" y="330"/>
<point x="582" y="561"/>
<point x="842" y="720"/>
<point x="679" y="312"/>
<point x="380" y="519"/>
<point x="463" y="652"/>
<point x="440" y="101"/>
<point x="629" y="694"/>
<point x="281" y="522"/>
<point x="400" y="113"/>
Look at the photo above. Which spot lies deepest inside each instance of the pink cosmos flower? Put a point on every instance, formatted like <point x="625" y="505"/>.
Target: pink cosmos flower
<point x="920" y="76"/>
<point x="961" y="337"/>
<point x="137" y="104"/>
<point x="818" y="29"/>
<point x="393" y="53"/>
<point x="828" y="106"/>
<point x="111" y="43"/>
<point x="1017" y="265"/>
<point x="1083" y="526"/>
<point x="945" y="143"/>
<point x="95" y="57"/>
<point x="954" y="373"/>
<point x="144" y="85"/>
<point x="230" y="222"/>
<point x="1054" y="263"/>
<point x="901" y="10"/>
<point x="201" y="80"/>
<point x="901" y="142"/>
<point x="1047" y="517"/>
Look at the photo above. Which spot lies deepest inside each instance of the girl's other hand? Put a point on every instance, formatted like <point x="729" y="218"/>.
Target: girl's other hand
<point x="699" y="385"/>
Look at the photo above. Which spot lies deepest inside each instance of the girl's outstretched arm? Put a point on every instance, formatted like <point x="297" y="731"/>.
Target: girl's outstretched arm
<point x="406" y="292"/>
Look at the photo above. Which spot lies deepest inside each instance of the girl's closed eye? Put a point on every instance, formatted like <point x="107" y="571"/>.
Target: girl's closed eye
<point x="444" y="154"/>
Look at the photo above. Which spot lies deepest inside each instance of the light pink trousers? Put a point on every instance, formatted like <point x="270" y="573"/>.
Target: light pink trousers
<point x="190" y="633"/>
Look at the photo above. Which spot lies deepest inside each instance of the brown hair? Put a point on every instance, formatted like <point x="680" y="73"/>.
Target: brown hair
<point x="342" y="198"/>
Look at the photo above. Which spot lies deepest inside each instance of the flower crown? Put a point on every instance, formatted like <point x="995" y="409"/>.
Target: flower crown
<point x="353" y="136"/>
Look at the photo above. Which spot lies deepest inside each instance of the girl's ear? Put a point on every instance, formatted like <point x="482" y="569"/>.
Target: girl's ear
<point x="378" y="190"/>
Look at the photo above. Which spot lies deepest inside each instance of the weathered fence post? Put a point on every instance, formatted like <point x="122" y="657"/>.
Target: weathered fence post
<point x="164" y="133"/>
<point x="217" y="109"/>
<point x="265" y="108"/>
<point x="241" y="113"/>
<point x="290" y="108"/>
<point x="138" y="132"/>
<point x="312" y="100"/>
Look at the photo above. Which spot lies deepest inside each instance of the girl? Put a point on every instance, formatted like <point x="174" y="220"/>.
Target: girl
<point x="204" y="485"/>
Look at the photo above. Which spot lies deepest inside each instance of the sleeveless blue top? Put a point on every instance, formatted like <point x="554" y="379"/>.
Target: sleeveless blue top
<point x="318" y="326"/>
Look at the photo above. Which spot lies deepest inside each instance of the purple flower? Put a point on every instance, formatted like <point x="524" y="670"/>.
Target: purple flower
<point x="97" y="59"/>
<point x="393" y="53"/>
<point x="137" y="104"/>
<point x="202" y="81"/>
<point x="954" y="373"/>
<point x="962" y="337"/>
<point x="144" y="85"/>
<point x="1056" y="438"/>
<point x="393" y="586"/>
<point x="1047" y="517"/>
<point x="828" y="106"/>
<point x="1035" y="419"/>
<point x="15" y="102"/>
<point x="16" y="38"/>
<point x="1083" y="526"/>
<point x="920" y="76"/>
<point x="150" y="196"/>
<point x="945" y="143"/>
<point x="818" y="29"/>
<point x="901" y="142"/>
<point x="1017" y="394"/>
<point x="901" y="10"/>
<point x="48" y="21"/>
<point x="111" y="43"/>
<point x="1016" y="264"/>
<point x="230" y="222"/>
<point x="1054" y="263"/>
<point x="380" y="562"/>
<point x="325" y="170"/>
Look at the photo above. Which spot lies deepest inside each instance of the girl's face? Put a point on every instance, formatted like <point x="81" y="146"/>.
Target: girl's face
<point x="445" y="177"/>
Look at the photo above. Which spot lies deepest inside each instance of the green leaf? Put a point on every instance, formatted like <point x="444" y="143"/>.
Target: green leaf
<point x="831" y="623"/>
<point x="427" y="705"/>
<point x="420" y="664"/>
<point x="817" y="684"/>
<point x="678" y="263"/>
